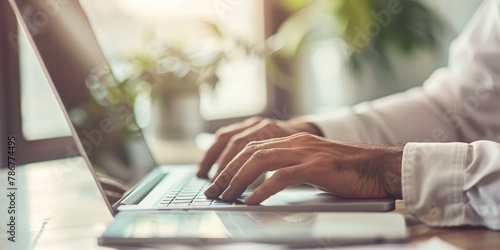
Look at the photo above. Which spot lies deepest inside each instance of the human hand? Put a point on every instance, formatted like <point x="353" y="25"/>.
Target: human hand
<point x="343" y="169"/>
<point x="232" y="139"/>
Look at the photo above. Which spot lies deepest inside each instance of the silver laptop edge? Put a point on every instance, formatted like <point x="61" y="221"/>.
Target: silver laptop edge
<point x="54" y="90"/>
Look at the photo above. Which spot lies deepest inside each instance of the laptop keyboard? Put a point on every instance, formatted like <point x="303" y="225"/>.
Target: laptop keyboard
<point x="190" y="193"/>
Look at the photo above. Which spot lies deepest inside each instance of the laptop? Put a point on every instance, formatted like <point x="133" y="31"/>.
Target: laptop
<point x="110" y="141"/>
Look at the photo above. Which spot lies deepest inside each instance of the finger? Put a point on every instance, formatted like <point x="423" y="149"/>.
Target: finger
<point x="264" y="130"/>
<point x="234" y="146"/>
<point x="222" y="181"/>
<point x="280" y="180"/>
<point x="261" y="161"/>
<point x="215" y="150"/>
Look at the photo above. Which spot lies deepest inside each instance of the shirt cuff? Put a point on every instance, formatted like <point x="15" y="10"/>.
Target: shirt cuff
<point x="433" y="182"/>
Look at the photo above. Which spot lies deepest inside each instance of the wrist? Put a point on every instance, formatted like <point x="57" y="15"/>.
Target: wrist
<point x="391" y="176"/>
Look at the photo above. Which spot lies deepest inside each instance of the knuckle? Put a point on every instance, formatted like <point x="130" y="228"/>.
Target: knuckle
<point x="260" y="154"/>
<point x="304" y="135"/>
<point x="265" y="153"/>
<point x="253" y="145"/>
<point x="217" y="187"/>
<point x="231" y="171"/>
<point x="223" y="179"/>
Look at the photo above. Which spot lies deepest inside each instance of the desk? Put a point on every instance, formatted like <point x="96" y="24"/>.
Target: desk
<point x="59" y="207"/>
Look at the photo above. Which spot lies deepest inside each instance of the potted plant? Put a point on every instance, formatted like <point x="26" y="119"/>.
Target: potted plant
<point x="169" y="75"/>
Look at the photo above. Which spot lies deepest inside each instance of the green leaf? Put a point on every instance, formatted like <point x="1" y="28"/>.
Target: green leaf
<point x="358" y="17"/>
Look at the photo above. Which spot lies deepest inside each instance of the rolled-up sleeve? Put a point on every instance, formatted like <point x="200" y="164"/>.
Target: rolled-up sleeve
<point x="451" y="184"/>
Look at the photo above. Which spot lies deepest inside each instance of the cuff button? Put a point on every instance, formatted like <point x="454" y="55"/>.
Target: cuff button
<point x="434" y="213"/>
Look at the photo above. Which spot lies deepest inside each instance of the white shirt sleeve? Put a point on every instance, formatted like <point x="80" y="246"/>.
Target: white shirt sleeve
<point x="452" y="184"/>
<point x="457" y="103"/>
<point x="460" y="104"/>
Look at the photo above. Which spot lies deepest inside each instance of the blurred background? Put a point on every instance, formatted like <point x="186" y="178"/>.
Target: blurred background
<point x="192" y="66"/>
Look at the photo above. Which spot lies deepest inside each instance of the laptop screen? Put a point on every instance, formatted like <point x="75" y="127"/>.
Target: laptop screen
<point x="92" y="99"/>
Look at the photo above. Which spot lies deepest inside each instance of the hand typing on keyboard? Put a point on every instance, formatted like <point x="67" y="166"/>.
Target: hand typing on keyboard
<point x="232" y="139"/>
<point x="343" y="169"/>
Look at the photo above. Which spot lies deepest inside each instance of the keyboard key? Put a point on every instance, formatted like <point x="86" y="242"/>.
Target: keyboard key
<point x="191" y="190"/>
<point x="201" y="203"/>
<point x="181" y="201"/>
<point x="200" y="198"/>
<point x="188" y="193"/>
<point x="180" y="198"/>
<point x="177" y="205"/>
<point x="185" y="197"/>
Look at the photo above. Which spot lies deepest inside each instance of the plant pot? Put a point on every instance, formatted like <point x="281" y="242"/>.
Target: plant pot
<point x="176" y="115"/>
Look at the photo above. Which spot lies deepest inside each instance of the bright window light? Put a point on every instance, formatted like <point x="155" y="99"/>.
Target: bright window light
<point x="122" y="26"/>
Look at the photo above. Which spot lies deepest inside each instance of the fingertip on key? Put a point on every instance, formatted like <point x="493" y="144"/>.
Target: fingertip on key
<point x="225" y="196"/>
<point x="250" y="200"/>
<point x="210" y="192"/>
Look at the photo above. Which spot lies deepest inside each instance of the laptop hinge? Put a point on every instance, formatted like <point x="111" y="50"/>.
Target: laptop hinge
<point x="140" y="193"/>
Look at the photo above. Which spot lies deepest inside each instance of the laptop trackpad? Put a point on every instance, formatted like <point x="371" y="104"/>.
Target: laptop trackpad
<point x="322" y="201"/>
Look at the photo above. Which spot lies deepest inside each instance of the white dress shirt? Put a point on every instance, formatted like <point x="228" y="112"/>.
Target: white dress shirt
<point x="451" y="162"/>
